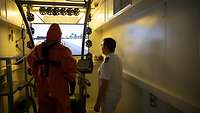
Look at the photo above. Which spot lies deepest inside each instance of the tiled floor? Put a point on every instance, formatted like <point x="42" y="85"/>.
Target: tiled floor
<point x="89" y="110"/>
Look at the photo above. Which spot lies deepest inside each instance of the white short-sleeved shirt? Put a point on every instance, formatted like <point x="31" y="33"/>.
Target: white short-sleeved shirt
<point x="111" y="69"/>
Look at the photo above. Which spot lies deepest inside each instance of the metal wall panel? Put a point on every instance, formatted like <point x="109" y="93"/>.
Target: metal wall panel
<point x="159" y="44"/>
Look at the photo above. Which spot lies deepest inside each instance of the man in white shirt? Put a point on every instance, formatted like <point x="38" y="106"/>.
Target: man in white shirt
<point x="110" y="78"/>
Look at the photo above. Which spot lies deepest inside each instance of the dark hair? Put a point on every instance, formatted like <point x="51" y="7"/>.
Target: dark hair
<point x="110" y="44"/>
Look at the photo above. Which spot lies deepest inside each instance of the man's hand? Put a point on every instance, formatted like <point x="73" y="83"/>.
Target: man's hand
<point x="97" y="107"/>
<point x="101" y="93"/>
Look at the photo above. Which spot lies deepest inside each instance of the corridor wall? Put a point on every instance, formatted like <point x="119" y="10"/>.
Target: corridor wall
<point x="10" y="44"/>
<point x="159" y="43"/>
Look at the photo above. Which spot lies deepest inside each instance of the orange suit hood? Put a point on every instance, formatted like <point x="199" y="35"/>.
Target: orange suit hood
<point x="54" y="33"/>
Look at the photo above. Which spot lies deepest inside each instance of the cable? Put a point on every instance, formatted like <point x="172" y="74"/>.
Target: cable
<point x="39" y="17"/>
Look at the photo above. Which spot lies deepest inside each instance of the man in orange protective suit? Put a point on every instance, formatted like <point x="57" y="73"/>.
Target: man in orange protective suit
<point x="53" y="68"/>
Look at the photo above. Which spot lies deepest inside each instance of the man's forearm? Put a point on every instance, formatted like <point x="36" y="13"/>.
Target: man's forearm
<point x="102" y="90"/>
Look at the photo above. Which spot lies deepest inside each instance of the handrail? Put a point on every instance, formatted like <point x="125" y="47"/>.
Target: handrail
<point x="5" y="73"/>
<point x="19" y="60"/>
<point x="28" y="83"/>
<point x="8" y="57"/>
<point x="11" y="57"/>
<point x="17" y="86"/>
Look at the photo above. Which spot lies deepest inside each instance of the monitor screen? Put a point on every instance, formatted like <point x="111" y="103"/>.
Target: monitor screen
<point x="72" y="35"/>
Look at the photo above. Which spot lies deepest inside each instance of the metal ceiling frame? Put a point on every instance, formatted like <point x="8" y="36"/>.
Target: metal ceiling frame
<point x="79" y="4"/>
<point x="88" y="9"/>
<point x="19" y="5"/>
<point x="85" y="4"/>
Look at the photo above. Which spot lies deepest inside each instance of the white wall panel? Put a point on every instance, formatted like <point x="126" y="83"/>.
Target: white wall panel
<point x="159" y="43"/>
<point x="99" y="16"/>
<point x="13" y="14"/>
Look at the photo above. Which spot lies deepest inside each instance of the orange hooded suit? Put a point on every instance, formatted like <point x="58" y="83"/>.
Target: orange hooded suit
<point x="52" y="84"/>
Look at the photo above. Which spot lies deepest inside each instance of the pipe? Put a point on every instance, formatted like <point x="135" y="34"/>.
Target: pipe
<point x="88" y="6"/>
